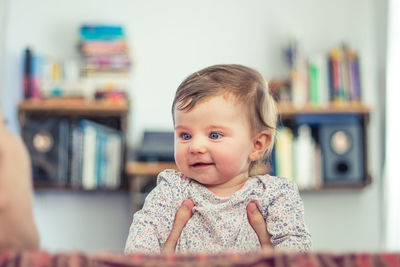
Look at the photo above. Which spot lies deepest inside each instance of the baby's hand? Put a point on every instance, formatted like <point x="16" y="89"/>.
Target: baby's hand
<point x="257" y="221"/>
<point x="181" y="218"/>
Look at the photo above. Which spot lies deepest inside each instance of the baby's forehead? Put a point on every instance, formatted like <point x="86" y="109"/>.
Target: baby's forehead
<point x="189" y="103"/>
<point x="218" y="107"/>
<point x="195" y="100"/>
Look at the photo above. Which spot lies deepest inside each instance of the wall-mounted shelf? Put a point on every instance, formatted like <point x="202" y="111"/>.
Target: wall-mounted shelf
<point x="148" y="168"/>
<point x="59" y="123"/>
<point x="351" y="120"/>
<point x="142" y="178"/>
<point x="350" y="108"/>
<point x="74" y="107"/>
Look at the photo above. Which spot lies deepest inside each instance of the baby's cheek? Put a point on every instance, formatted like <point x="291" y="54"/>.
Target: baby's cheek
<point x="180" y="159"/>
<point x="231" y="162"/>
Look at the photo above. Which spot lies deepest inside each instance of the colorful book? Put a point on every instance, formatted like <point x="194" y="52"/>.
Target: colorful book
<point x="284" y="153"/>
<point x="89" y="181"/>
<point x="304" y="157"/>
<point x="76" y="157"/>
<point x="102" y="156"/>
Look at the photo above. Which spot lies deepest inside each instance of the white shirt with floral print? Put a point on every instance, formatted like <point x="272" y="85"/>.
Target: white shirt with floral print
<point x="219" y="224"/>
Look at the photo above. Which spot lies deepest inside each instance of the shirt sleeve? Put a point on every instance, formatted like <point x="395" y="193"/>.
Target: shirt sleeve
<point x="151" y="225"/>
<point x="285" y="218"/>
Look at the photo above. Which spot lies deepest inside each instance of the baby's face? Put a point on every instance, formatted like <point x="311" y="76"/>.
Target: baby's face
<point x="213" y="142"/>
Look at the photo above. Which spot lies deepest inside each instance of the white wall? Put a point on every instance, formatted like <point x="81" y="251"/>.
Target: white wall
<point x="171" y="39"/>
<point x="3" y="13"/>
<point x="92" y="221"/>
<point x="392" y="182"/>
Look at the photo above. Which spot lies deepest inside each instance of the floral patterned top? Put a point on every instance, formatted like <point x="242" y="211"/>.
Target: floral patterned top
<point x="219" y="224"/>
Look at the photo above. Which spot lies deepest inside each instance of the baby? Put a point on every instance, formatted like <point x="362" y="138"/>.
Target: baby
<point x="225" y="123"/>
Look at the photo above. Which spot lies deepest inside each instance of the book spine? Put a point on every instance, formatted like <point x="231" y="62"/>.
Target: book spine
<point x="303" y="157"/>
<point x="76" y="157"/>
<point x="336" y="77"/>
<point x="101" y="159"/>
<point x="331" y="79"/>
<point x="36" y="77"/>
<point x="313" y="83"/>
<point x="323" y="83"/>
<point x="284" y="153"/>
<point x="355" y="78"/>
<point x="27" y="83"/>
<point x="63" y="152"/>
<point x="346" y="85"/>
<point x="89" y="155"/>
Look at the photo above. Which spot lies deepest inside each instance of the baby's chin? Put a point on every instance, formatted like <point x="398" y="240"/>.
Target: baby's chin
<point x="207" y="181"/>
<point x="198" y="178"/>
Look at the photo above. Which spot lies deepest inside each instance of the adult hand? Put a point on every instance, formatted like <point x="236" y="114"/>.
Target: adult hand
<point x="182" y="216"/>
<point x="257" y="221"/>
<point x="184" y="213"/>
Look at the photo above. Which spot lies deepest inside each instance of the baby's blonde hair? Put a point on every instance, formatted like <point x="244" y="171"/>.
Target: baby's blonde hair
<point x="247" y="86"/>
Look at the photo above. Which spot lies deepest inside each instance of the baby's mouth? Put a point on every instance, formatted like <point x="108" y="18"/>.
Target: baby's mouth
<point x="201" y="164"/>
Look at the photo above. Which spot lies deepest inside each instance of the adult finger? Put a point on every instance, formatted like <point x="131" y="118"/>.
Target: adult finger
<point x="257" y="221"/>
<point x="182" y="216"/>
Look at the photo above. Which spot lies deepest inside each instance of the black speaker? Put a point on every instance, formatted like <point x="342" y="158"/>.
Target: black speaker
<point x="47" y="141"/>
<point x="342" y="152"/>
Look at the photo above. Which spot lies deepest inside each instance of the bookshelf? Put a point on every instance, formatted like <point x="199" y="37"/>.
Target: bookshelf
<point x="141" y="174"/>
<point x="55" y="131"/>
<point x="339" y="169"/>
<point x="321" y="139"/>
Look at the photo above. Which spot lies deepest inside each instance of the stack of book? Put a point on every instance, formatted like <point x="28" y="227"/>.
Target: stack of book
<point x="104" y="49"/>
<point x="344" y="75"/>
<point x="32" y="77"/>
<point x="105" y="57"/>
<point x="298" y="157"/>
<point x="322" y="79"/>
<point x="81" y="154"/>
<point x="95" y="156"/>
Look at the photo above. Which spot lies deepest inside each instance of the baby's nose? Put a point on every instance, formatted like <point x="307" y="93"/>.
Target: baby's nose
<point x="197" y="145"/>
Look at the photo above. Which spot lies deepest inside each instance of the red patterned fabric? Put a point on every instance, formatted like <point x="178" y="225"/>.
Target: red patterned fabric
<point x="10" y="258"/>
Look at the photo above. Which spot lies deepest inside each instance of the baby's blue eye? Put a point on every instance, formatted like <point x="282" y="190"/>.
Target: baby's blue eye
<point x="215" y="135"/>
<point x="186" y="136"/>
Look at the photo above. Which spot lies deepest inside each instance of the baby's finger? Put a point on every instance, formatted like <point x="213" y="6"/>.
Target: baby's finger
<point x="182" y="216"/>
<point x="257" y="221"/>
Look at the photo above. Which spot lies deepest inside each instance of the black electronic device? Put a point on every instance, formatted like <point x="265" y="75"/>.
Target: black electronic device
<point x="342" y="150"/>
<point x="156" y="146"/>
<point x="47" y="141"/>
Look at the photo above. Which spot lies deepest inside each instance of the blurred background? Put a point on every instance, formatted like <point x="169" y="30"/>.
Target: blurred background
<point x="158" y="44"/>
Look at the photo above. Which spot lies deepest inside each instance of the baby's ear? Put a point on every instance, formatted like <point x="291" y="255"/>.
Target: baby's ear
<point x="261" y="142"/>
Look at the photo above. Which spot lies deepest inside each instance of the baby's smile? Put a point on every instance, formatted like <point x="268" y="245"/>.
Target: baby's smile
<point x="201" y="164"/>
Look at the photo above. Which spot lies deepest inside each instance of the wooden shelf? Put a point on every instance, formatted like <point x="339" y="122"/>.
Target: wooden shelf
<point x="74" y="106"/>
<point x="148" y="168"/>
<point x="356" y="108"/>
<point x="71" y="111"/>
<point x="142" y="174"/>
<point x="87" y="106"/>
